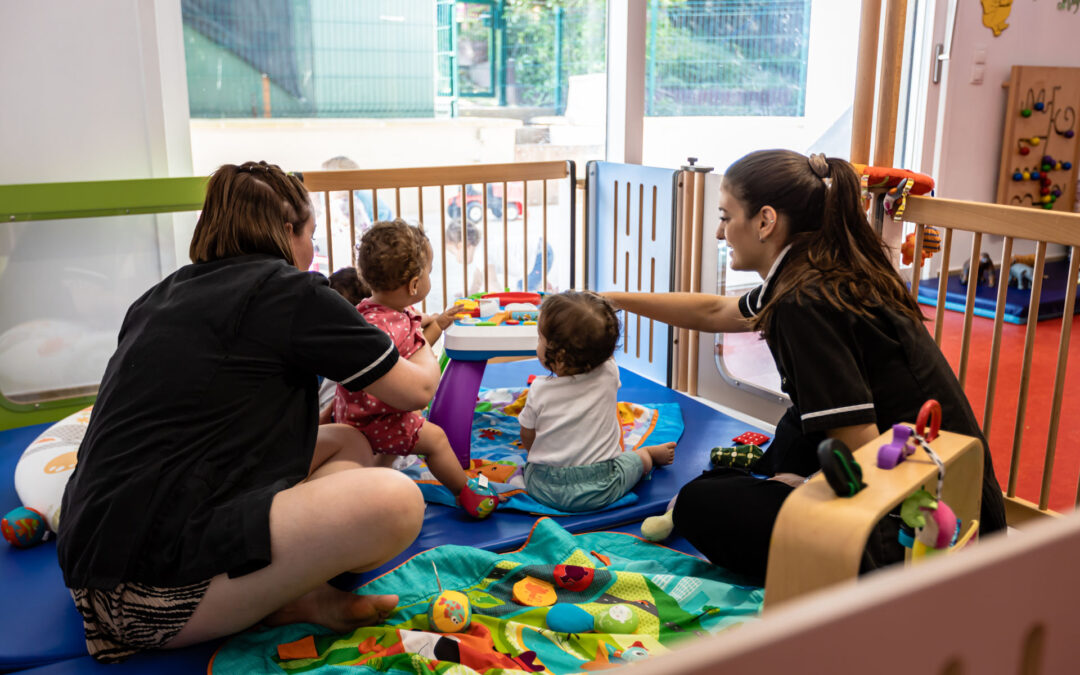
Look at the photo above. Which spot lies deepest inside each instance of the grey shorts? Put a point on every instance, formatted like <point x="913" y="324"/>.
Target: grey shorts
<point x="584" y="488"/>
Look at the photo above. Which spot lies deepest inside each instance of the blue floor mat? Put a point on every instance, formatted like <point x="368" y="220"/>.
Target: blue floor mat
<point x="1017" y="302"/>
<point x="40" y="625"/>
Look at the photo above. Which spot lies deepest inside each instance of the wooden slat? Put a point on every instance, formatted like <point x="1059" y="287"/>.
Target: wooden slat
<point x="626" y="289"/>
<point x="892" y="56"/>
<point x="862" y="119"/>
<point x="420" y="218"/>
<point x="640" y="259"/>
<point x="1025" y="367"/>
<point x="352" y="229"/>
<point x="442" y="235"/>
<point x="506" y="239"/>
<point x="524" y="235"/>
<point x="969" y="305"/>
<point x="1059" y="381"/>
<point x="686" y="262"/>
<point x="397" y="202"/>
<point x="943" y="286"/>
<point x="435" y="175"/>
<point x="543" y="246"/>
<point x="1019" y="511"/>
<point x="464" y="243"/>
<point x="1055" y="227"/>
<point x="375" y="205"/>
<point x="487" y="286"/>
<point x="995" y="341"/>
<point x="329" y="234"/>
<point x="696" y="234"/>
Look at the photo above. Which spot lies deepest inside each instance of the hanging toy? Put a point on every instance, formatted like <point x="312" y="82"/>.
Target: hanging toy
<point x="449" y="612"/>
<point x="931" y="245"/>
<point x="936" y="526"/>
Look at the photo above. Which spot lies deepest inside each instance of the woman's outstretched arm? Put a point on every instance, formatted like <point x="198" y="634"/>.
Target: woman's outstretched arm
<point x="697" y="311"/>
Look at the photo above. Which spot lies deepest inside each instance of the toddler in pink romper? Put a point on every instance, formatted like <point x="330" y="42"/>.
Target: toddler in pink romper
<point x="395" y="261"/>
<point x="389" y="430"/>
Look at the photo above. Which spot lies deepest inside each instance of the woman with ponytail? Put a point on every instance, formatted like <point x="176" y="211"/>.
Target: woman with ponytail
<point x="847" y="338"/>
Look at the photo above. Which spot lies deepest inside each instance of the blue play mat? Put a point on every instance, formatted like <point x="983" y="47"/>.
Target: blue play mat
<point x="40" y="624"/>
<point x="1051" y="300"/>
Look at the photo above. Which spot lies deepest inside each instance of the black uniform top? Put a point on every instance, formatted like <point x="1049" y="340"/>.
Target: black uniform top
<point x="842" y="369"/>
<point x="206" y="410"/>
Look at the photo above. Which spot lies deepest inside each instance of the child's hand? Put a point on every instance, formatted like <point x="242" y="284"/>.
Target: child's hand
<point x="446" y="319"/>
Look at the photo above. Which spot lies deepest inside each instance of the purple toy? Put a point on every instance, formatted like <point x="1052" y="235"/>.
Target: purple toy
<point x="901" y="447"/>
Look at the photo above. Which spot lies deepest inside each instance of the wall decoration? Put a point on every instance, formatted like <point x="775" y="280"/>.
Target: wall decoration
<point x="995" y="15"/>
<point x="1040" y="148"/>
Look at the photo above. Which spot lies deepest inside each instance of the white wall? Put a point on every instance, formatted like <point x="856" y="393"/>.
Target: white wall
<point x="1038" y="35"/>
<point x="91" y="91"/>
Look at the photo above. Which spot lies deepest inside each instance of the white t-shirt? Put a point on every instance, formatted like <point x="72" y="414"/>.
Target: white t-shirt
<point x="576" y="417"/>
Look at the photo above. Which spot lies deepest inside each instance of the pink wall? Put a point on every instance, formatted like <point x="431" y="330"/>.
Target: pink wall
<point x="1038" y="35"/>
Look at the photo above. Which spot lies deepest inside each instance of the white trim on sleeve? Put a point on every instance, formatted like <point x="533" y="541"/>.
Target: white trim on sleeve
<point x="834" y="411"/>
<point x="371" y="365"/>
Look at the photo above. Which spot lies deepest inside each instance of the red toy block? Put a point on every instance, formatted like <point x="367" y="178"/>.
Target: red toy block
<point x="751" y="438"/>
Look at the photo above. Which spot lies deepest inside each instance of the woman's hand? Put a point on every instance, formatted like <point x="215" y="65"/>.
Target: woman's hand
<point x="792" y="479"/>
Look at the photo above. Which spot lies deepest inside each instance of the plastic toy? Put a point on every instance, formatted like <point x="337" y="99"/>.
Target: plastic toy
<point x="1021" y="275"/>
<point x="566" y="618"/>
<point x="738" y="457"/>
<point x="841" y="471"/>
<point x="523" y="311"/>
<point x="23" y="527"/>
<point x="574" y="577"/>
<point x="936" y="526"/>
<point x="478" y="498"/>
<point x="534" y="592"/>
<point x="900" y="448"/>
<point x="751" y="438"/>
<point x="450" y="611"/>
<point x="618" y="619"/>
<point x="987" y="275"/>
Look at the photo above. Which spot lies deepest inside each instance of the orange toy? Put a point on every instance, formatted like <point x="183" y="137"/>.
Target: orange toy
<point x="931" y="245"/>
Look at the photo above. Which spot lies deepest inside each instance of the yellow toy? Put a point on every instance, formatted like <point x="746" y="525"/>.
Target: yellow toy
<point x="449" y="612"/>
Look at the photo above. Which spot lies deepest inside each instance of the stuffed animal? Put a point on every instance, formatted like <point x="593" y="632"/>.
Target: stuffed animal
<point x="931" y="245"/>
<point x="987" y="275"/>
<point x="1022" y="271"/>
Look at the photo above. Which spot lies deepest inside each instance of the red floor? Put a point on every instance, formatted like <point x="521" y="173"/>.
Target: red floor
<point x="1066" y="469"/>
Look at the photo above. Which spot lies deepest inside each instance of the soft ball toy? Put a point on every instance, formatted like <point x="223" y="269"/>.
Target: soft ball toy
<point x="450" y="612"/>
<point x="478" y="498"/>
<point x="23" y="527"/>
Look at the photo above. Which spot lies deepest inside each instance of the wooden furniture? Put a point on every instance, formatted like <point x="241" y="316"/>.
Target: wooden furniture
<point x="818" y="539"/>
<point x="1040" y="120"/>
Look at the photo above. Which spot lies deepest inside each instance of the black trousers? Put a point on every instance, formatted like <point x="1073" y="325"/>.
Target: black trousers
<point x="728" y="515"/>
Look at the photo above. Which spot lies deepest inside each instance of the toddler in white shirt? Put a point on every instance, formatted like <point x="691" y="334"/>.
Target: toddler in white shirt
<point x="570" y="423"/>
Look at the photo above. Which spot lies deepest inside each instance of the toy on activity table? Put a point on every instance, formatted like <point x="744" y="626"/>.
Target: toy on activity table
<point x="469" y="343"/>
<point x="24" y="527"/>
<point x="842" y="472"/>
<point x="450" y="611"/>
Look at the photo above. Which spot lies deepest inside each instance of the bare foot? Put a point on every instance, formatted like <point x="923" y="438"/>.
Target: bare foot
<point x="338" y="610"/>
<point x="661" y="454"/>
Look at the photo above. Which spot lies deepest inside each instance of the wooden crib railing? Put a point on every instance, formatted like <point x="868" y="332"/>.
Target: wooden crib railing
<point x="1013" y="223"/>
<point x="446" y="181"/>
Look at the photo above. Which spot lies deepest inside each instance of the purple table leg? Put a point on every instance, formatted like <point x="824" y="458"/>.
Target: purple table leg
<point x="454" y="402"/>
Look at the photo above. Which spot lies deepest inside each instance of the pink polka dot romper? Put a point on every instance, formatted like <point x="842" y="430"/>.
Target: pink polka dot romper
<point x="389" y="430"/>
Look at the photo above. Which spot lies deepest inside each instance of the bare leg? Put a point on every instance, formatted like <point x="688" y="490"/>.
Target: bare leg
<point x="345" y="520"/>
<point x="659" y="455"/>
<point x="339" y="447"/>
<point x="440" y="456"/>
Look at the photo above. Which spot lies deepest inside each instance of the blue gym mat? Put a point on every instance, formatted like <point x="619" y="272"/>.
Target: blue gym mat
<point x="40" y="624"/>
<point x="1051" y="300"/>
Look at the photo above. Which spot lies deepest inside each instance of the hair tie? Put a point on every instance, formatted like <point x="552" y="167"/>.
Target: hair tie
<point x="819" y="165"/>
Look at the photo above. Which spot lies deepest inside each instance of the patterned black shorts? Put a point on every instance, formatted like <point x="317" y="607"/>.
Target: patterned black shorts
<point x="133" y="617"/>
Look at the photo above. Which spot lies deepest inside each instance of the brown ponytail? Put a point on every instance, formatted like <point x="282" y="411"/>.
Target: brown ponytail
<point x="245" y="212"/>
<point x="835" y="254"/>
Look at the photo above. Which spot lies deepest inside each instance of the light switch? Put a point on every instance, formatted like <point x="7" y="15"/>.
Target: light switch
<point x="977" y="73"/>
<point x="980" y="54"/>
